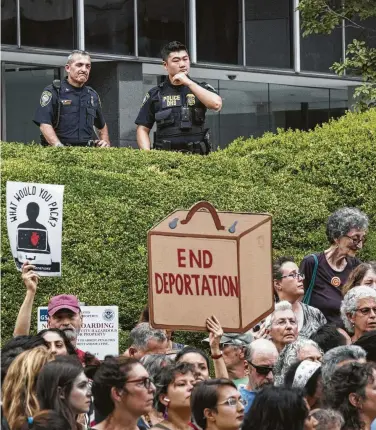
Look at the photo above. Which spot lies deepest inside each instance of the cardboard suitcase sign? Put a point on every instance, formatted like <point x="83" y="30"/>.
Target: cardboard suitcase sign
<point x="203" y="262"/>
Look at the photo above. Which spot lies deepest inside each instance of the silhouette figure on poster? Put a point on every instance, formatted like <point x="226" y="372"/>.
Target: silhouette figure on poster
<point x="32" y="239"/>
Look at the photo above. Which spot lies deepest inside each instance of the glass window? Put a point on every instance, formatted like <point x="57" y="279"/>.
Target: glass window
<point x="245" y="110"/>
<point x="298" y="107"/>
<point x="219" y="31"/>
<point x="268" y="33"/>
<point x="366" y="31"/>
<point x="9" y="22"/>
<point x="109" y="26"/>
<point x="318" y="52"/>
<point x="23" y="88"/>
<point x="160" y="22"/>
<point x="48" y="24"/>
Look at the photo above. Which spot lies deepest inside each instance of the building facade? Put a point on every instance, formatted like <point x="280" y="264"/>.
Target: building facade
<point x="251" y="51"/>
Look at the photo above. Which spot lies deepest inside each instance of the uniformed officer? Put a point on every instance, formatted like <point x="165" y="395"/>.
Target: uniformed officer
<point x="68" y="110"/>
<point x="178" y="106"/>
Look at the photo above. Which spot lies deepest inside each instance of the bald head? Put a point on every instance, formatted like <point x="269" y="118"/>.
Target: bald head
<point x="262" y="356"/>
<point x="261" y="346"/>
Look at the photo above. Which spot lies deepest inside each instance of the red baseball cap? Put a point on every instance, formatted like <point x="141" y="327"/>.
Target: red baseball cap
<point x="64" y="301"/>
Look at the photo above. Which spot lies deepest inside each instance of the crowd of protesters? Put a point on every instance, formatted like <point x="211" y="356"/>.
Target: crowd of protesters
<point x="311" y="364"/>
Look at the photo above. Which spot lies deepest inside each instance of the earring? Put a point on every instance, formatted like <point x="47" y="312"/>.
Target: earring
<point x="165" y="413"/>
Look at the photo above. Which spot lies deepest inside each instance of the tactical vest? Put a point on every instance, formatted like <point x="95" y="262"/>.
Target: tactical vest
<point x="180" y="118"/>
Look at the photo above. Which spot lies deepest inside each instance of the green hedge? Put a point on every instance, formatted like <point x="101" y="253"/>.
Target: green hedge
<point x="113" y="197"/>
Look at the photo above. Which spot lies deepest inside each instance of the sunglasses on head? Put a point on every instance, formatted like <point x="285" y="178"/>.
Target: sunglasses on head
<point x="262" y="370"/>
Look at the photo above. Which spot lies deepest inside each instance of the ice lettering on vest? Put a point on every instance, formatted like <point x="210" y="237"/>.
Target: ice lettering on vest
<point x="171" y="101"/>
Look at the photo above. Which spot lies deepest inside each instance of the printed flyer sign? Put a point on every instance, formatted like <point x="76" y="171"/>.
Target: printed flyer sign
<point x="203" y="262"/>
<point x="34" y="221"/>
<point x="100" y="329"/>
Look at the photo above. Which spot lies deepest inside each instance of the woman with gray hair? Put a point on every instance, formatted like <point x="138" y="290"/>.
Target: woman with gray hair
<point x="301" y="349"/>
<point x="326" y="272"/>
<point x="358" y="311"/>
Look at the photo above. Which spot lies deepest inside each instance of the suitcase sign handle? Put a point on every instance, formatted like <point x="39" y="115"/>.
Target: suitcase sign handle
<point x="210" y="208"/>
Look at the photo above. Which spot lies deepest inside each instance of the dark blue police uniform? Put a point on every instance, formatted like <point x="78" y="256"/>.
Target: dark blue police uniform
<point x="180" y="118"/>
<point x="80" y="109"/>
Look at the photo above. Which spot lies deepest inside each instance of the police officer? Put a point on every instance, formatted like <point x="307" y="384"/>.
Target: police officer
<point x="178" y="106"/>
<point x="68" y="110"/>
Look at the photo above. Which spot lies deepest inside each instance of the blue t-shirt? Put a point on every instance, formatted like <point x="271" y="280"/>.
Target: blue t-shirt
<point x="373" y="425"/>
<point x="248" y="396"/>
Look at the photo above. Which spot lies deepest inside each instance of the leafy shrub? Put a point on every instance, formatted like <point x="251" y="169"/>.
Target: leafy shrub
<point x="113" y="197"/>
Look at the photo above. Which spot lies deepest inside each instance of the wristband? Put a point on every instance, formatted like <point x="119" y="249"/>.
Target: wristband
<point x="215" y="357"/>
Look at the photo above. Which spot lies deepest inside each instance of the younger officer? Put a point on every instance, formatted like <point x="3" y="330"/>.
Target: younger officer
<point x="178" y="106"/>
<point x="66" y="115"/>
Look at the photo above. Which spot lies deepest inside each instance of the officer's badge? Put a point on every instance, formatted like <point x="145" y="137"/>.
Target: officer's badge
<point x="146" y="98"/>
<point x="45" y="98"/>
<point x="191" y="99"/>
<point x="66" y="102"/>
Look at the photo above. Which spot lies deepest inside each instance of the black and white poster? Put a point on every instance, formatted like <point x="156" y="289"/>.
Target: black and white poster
<point x="34" y="220"/>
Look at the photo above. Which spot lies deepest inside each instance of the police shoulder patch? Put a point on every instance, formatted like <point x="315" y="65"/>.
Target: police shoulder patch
<point x="146" y="98"/>
<point x="45" y="98"/>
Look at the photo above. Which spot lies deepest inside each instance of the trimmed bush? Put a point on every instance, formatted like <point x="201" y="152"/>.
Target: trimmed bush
<point x="113" y="197"/>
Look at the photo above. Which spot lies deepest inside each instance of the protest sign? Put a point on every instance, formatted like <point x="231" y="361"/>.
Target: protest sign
<point x="203" y="262"/>
<point x="99" y="333"/>
<point x="34" y="221"/>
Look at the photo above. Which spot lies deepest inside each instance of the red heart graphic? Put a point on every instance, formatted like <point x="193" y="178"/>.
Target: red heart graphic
<point x="34" y="239"/>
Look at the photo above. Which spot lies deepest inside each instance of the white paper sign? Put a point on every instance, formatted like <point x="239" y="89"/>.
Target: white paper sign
<point x="34" y="220"/>
<point x="100" y="329"/>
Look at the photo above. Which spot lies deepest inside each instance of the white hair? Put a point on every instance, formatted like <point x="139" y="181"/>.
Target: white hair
<point x="350" y="303"/>
<point x="77" y="52"/>
<point x="284" y="305"/>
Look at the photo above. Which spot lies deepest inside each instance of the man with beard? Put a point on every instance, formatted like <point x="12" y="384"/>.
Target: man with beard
<point x="69" y="109"/>
<point x="64" y="313"/>
<point x="233" y="347"/>
<point x="261" y="356"/>
<point x="64" y="310"/>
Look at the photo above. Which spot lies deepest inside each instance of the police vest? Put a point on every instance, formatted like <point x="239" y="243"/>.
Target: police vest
<point x="179" y="115"/>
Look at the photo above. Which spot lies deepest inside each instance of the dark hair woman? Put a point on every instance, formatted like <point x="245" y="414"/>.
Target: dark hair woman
<point x="58" y="342"/>
<point x="352" y="391"/>
<point x="363" y="275"/>
<point x="288" y="285"/>
<point x="217" y="405"/>
<point x="123" y="392"/>
<point x="279" y="408"/>
<point x="63" y="386"/>
<point x="199" y="359"/>
<point x="45" y="420"/>
<point x="172" y="398"/>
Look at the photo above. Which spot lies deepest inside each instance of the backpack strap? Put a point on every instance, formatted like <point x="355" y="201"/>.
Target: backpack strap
<point x="308" y="294"/>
